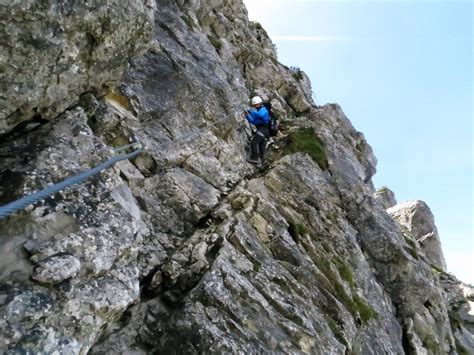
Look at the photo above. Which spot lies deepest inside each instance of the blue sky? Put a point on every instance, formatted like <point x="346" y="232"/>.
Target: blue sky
<point x="402" y="72"/>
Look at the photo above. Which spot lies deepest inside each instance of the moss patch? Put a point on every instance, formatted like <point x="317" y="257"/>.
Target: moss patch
<point x="365" y="311"/>
<point x="38" y="43"/>
<point x="297" y="73"/>
<point x="301" y="228"/>
<point x="188" y="21"/>
<point x="436" y="269"/>
<point x="345" y="272"/>
<point x="356" y="306"/>
<point x="325" y="266"/>
<point x="454" y="319"/>
<point x="335" y="329"/>
<point x="460" y="348"/>
<point x="257" y="25"/>
<point x="297" y="230"/>
<point x="215" y="42"/>
<point x="333" y="217"/>
<point x="342" y="296"/>
<point x="382" y="189"/>
<point x="305" y="140"/>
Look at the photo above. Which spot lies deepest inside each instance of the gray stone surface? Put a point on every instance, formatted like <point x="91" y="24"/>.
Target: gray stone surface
<point x="56" y="269"/>
<point x="80" y="238"/>
<point x="386" y="197"/>
<point x="52" y="52"/>
<point x="416" y="216"/>
<point x="187" y="248"/>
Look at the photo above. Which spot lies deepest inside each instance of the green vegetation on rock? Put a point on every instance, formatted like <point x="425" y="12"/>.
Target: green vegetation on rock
<point x="345" y="272"/>
<point x="305" y="140"/>
<point x="352" y="302"/>
<point x="297" y="73"/>
<point x="257" y="25"/>
<point x="365" y="311"/>
<point x="215" y="42"/>
<point x="460" y="348"/>
<point x="436" y="269"/>
<point x="297" y="229"/>
<point x="188" y="21"/>
<point x="39" y="43"/>
<point x="382" y="189"/>
<point x="454" y="319"/>
<point x="355" y="305"/>
<point x="335" y="329"/>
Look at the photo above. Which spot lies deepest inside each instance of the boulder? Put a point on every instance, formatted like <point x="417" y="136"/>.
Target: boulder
<point x="386" y="197"/>
<point x="416" y="216"/>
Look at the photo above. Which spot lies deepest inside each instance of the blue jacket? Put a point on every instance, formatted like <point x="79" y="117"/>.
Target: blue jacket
<point x="259" y="117"/>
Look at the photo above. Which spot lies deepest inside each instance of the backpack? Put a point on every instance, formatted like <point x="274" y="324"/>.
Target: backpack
<point x="273" y="123"/>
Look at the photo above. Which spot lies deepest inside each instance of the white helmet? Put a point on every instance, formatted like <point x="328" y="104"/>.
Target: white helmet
<point x="256" y="100"/>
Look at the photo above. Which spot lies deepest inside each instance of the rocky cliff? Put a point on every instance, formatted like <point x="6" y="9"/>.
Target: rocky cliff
<point x="187" y="248"/>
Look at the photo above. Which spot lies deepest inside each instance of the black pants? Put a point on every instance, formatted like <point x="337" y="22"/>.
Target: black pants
<point x="258" y="145"/>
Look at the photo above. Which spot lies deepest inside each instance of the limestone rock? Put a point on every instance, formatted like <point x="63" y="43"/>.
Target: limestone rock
<point x="418" y="219"/>
<point x="56" y="269"/>
<point x="350" y="156"/>
<point x="131" y="173"/>
<point x="52" y="53"/>
<point x="187" y="248"/>
<point x="178" y="199"/>
<point x="386" y="197"/>
<point x="123" y="196"/>
<point x="81" y="223"/>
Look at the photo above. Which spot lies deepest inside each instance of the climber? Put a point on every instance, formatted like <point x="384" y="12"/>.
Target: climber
<point x="260" y="118"/>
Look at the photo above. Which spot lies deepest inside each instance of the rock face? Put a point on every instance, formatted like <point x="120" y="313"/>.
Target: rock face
<point x="386" y="197"/>
<point x="417" y="218"/>
<point x="52" y="52"/>
<point x="460" y="298"/>
<point x="187" y="248"/>
<point x="56" y="269"/>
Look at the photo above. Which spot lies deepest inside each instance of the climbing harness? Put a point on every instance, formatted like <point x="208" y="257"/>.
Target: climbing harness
<point x="14" y="206"/>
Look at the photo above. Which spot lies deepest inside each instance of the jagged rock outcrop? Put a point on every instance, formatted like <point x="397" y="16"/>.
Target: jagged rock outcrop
<point x="187" y="248"/>
<point x="417" y="218"/>
<point x="84" y="225"/>
<point x="460" y="298"/>
<point x="386" y="197"/>
<point x="54" y="51"/>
